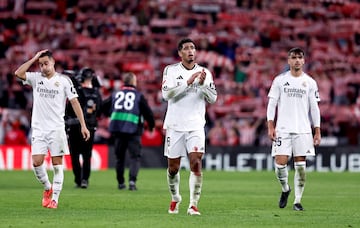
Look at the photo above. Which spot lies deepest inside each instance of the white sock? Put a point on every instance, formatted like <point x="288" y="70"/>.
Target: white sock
<point x="282" y="174"/>
<point x="299" y="180"/>
<point x="195" y="183"/>
<point x="173" y="183"/>
<point x="57" y="181"/>
<point x="42" y="176"/>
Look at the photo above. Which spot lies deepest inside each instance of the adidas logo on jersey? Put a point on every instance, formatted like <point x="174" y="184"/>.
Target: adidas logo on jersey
<point x="41" y="83"/>
<point x="180" y="77"/>
<point x="287" y="84"/>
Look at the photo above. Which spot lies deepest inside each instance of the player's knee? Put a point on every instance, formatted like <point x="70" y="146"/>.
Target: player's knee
<point x="56" y="160"/>
<point x="37" y="160"/>
<point x="173" y="171"/>
<point x="195" y="165"/>
<point x="36" y="163"/>
<point x="281" y="160"/>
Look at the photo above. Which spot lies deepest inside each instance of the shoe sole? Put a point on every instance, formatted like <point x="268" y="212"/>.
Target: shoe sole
<point x="52" y="206"/>
<point x="45" y="205"/>
<point x="173" y="212"/>
<point x="122" y="187"/>
<point x="297" y="208"/>
<point x="191" y="213"/>
<point x="133" y="188"/>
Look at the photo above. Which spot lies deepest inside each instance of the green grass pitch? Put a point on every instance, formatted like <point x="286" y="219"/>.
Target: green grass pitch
<point x="229" y="199"/>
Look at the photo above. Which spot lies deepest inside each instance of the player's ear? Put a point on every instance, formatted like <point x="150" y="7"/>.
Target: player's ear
<point x="52" y="61"/>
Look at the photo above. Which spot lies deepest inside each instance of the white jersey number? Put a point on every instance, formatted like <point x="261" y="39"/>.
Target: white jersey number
<point x="124" y="100"/>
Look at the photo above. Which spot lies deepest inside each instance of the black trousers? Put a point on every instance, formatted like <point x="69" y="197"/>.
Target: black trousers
<point x="78" y="146"/>
<point x="122" y="143"/>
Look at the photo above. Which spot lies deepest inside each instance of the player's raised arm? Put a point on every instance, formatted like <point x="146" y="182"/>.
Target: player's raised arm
<point x="20" y="72"/>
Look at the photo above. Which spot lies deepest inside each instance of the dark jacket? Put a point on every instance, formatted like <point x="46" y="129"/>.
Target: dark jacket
<point x="127" y="110"/>
<point x="90" y="101"/>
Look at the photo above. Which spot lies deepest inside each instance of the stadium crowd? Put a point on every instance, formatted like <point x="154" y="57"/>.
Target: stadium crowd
<point x="242" y="42"/>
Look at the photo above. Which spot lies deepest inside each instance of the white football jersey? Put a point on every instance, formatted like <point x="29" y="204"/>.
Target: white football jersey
<point x="49" y="100"/>
<point x="294" y="96"/>
<point x="186" y="104"/>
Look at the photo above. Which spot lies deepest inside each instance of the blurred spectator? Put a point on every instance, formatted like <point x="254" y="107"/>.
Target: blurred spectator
<point x="14" y="127"/>
<point x="15" y="136"/>
<point x="217" y="134"/>
<point x="155" y="137"/>
<point x="325" y="85"/>
<point x="232" y="137"/>
<point x="102" y="134"/>
<point x="247" y="129"/>
<point x="152" y="138"/>
<point x="13" y="96"/>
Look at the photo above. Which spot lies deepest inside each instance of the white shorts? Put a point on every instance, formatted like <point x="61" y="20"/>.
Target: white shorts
<point x="180" y="143"/>
<point x="293" y="144"/>
<point x="53" y="141"/>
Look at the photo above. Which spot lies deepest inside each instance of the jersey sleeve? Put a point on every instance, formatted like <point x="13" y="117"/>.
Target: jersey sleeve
<point x="274" y="89"/>
<point x="314" y="92"/>
<point x="30" y="78"/>
<point x="271" y="109"/>
<point x="314" y="98"/>
<point x="273" y="95"/>
<point x="70" y="90"/>
<point x="208" y="88"/>
<point x="170" y="88"/>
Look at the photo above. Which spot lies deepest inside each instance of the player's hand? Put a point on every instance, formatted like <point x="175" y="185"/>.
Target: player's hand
<point x="317" y="136"/>
<point x="85" y="133"/>
<point x="272" y="134"/>
<point x="271" y="131"/>
<point x="37" y="55"/>
<point x="202" y="77"/>
<point x="317" y="139"/>
<point x="193" y="77"/>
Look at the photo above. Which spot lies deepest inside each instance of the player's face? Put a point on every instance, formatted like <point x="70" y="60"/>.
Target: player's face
<point x="296" y="61"/>
<point x="46" y="65"/>
<point x="187" y="53"/>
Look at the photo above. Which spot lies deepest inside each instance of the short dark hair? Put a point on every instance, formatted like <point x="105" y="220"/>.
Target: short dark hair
<point x="47" y="53"/>
<point x="296" y="50"/>
<point x="183" y="41"/>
